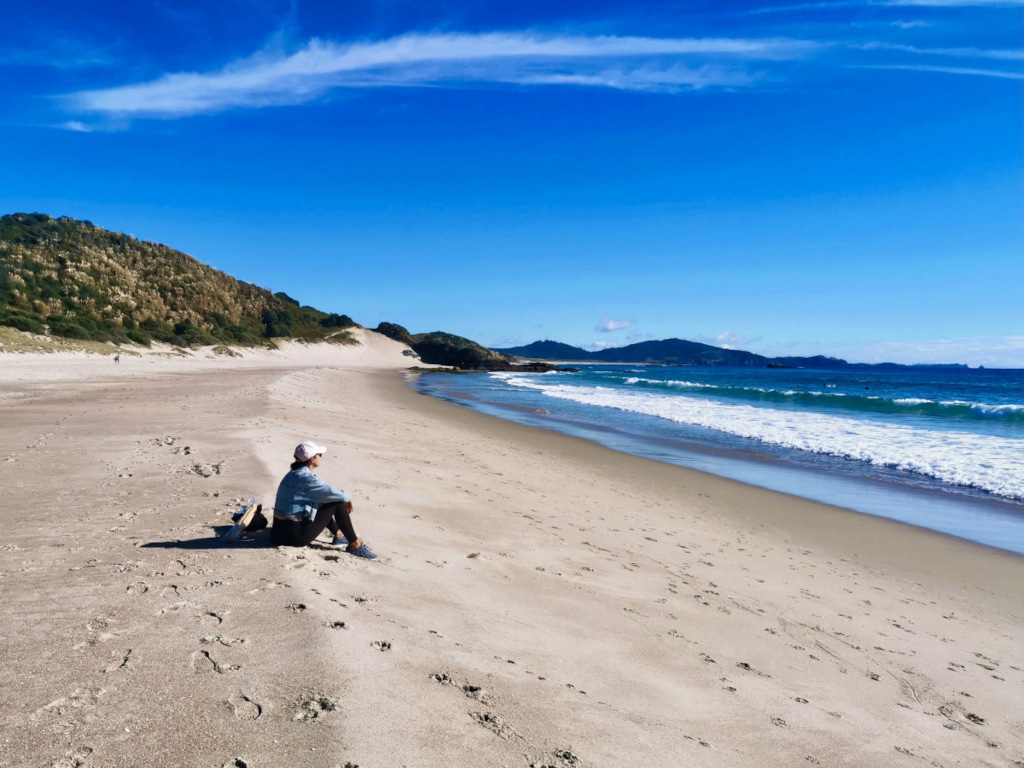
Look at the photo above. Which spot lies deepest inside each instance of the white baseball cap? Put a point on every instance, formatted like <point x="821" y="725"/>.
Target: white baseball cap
<point x="307" y="450"/>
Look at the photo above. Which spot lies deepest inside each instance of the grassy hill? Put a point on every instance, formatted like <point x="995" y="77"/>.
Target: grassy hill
<point x="70" y="278"/>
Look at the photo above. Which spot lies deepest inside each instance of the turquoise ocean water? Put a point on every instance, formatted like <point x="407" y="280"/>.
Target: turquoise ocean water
<point x="940" y="448"/>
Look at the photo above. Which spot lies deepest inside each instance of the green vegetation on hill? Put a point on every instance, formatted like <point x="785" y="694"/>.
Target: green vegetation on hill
<point x="396" y="332"/>
<point x="439" y="348"/>
<point x="70" y="278"/>
<point x="446" y="349"/>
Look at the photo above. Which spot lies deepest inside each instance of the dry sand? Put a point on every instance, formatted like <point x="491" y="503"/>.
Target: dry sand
<point x="539" y="600"/>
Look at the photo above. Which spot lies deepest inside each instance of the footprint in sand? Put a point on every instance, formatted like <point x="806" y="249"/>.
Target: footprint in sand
<point x="120" y="662"/>
<point x="268" y="585"/>
<point x="314" y="706"/>
<point x="221" y="640"/>
<point x="494" y="723"/>
<point x="202" y="662"/>
<point x="245" y="708"/>
<point x="476" y="693"/>
<point x="76" y="700"/>
<point x="175" y="608"/>
<point x="75" y="759"/>
<point x="206" y="470"/>
<point x="745" y="666"/>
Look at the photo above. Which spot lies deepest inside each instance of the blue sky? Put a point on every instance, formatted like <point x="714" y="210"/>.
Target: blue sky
<point x="838" y="178"/>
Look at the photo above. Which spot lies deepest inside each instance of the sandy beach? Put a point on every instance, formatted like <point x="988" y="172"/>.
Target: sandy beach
<point x="538" y="600"/>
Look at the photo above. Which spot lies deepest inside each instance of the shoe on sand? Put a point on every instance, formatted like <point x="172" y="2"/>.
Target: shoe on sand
<point x="339" y="541"/>
<point x="361" y="551"/>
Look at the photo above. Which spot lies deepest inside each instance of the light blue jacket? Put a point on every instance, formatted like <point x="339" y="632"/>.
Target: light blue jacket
<point x="301" y="492"/>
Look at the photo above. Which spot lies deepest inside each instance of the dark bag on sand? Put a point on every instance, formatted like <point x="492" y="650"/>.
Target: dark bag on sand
<point x="258" y="522"/>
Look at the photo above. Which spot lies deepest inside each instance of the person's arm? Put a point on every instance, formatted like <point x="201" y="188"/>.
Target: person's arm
<point x="325" y="492"/>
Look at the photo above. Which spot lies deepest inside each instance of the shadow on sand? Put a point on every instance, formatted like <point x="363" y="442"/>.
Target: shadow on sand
<point x="257" y="540"/>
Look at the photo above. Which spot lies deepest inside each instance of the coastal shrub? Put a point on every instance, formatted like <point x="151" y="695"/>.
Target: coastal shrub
<point x="113" y="334"/>
<point x="27" y="228"/>
<point x="337" y="321"/>
<point x="189" y="334"/>
<point x="22" y="322"/>
<point x="6" y="285"/>
<point x="157" y="329"/>
<point x="277" y="324"/>
<point x="62" y="326"/>
<point x="286" y="298"/>
<point x="240" y="334"/>
<point x="139" y="337"/>
<point x="395" y="331"/>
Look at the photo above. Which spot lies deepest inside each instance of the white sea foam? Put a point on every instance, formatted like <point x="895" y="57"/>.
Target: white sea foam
<point x="1000" y="409"/>
<point x="993" y="464"/>
<point x="980" y="408"/>
<point x="671" y="383"/>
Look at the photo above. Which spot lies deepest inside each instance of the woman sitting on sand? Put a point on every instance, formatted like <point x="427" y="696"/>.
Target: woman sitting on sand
<point x="305" y="505"/>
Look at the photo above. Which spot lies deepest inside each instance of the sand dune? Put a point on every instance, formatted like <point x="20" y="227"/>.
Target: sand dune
<point x="538" y="600"/>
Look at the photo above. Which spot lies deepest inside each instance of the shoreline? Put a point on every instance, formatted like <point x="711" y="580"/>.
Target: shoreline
<point x="538" y="599"/>
<point x="821" y="523"/>
<point x="970" y="515"/>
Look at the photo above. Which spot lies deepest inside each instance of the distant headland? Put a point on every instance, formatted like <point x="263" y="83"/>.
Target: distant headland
<point x="680" y="352"/>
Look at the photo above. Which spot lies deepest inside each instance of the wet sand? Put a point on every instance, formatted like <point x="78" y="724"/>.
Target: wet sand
<point x="539" y="600"/>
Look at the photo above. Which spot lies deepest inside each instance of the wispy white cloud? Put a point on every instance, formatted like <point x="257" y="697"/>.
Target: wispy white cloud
<point x="969" y="53"/>
<point x="76" y="125"/>
<point x="57" y="53"/>
<point x="949" y="70"/>
<point x="272" y="78"/>
<point x="842" y="4"/>
<point x="953" y="3"/>
<point x="666" y="79"/>
<point x="807" y="7"/>
<point x="607" y="324"/>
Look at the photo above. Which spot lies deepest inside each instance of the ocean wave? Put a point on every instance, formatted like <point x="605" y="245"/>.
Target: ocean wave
<point x="840" y="401"/>
<point x="988" y="463"/>
<point x="669" y="383"/>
